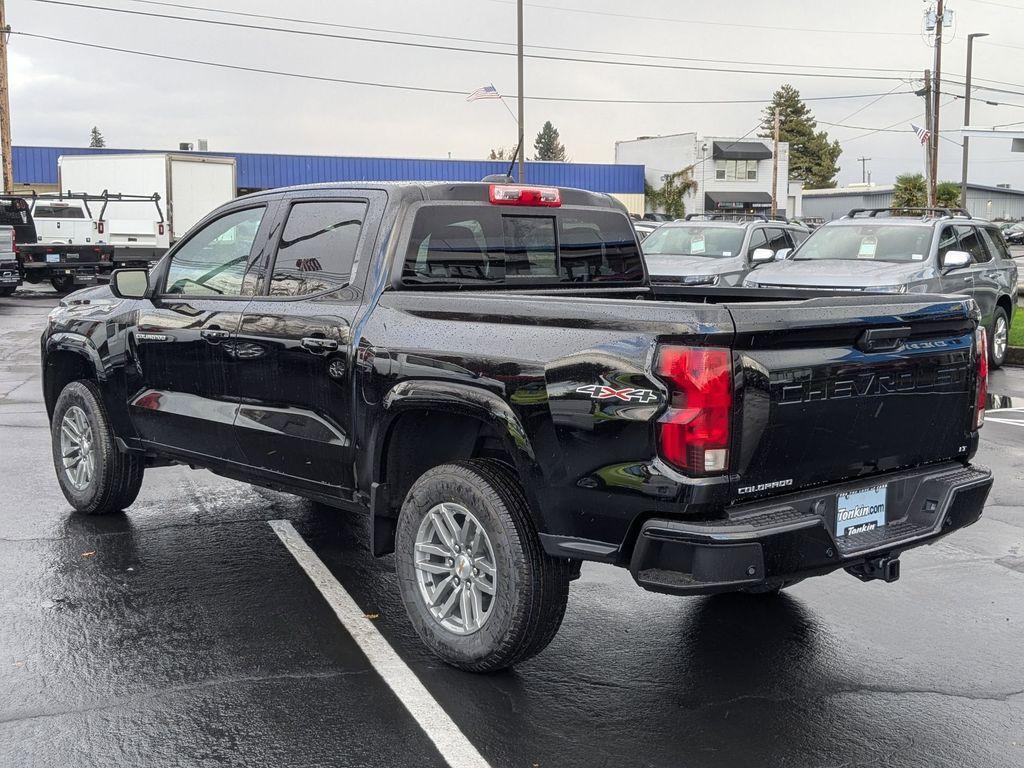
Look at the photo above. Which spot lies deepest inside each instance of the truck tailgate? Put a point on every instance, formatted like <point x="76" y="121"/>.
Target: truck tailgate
<point x="838" y="388"/>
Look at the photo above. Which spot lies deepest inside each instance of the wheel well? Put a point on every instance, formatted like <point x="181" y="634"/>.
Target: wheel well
<point x="63" y="367"/>
<point x="419" y="440"/>
<point x="1007" y="305"/>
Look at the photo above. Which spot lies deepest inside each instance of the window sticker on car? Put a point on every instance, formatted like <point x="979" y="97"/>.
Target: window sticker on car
<point x="697" y="245"/>
<point x="727" y="253"/>
<point x="917" y="256"/>
<point x="867" y="248"/>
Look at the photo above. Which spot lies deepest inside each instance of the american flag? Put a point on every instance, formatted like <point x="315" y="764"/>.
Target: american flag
<point x="484" y="92"/>
<point x="922" y="133"/>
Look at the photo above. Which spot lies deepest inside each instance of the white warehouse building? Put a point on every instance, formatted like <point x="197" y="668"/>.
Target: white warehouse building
<point x="732" y="175"/>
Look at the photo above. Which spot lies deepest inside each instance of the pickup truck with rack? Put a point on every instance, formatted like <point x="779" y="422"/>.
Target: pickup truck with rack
<point x="485" y="373"/>
<point x="64" y="265"/>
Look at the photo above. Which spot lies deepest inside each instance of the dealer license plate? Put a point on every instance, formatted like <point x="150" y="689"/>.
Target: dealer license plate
<point x="52" y="258"/>
<point x="860" y="511"/>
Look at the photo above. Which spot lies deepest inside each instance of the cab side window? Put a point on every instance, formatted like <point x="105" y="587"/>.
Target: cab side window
<point x="777" y="239"/>
<point x="757" y="240"/>
<point x="971" y="242"/>
<point x="213" y="261"/>
<point x="947" y="242"/>
<point x="318" y="247"/>
<point x="797" y="236"/>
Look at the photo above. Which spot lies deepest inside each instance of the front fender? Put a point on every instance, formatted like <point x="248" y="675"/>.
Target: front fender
<point x="76" y="344"/>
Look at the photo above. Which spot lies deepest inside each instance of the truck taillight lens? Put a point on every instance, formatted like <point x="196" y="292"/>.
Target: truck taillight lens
<point x="693" y="433"/>
<point x="160" y="228"/>
<point x="513" y="194"/>
<point x="100" y="226"/>
<point x="982" y="386"/>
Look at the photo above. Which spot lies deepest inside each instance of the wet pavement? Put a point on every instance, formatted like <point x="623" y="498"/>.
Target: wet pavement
<point x="184" y="633"/>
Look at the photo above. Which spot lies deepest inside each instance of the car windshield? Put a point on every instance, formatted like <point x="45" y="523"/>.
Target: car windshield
<point x="713" y="242"/>
<point x="870" y="242"/>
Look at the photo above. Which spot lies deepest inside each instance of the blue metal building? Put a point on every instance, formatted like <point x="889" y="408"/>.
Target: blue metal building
<point x="37" y="166"/>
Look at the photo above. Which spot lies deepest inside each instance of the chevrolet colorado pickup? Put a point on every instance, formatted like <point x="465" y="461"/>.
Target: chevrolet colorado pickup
<point x="486" y="373"/>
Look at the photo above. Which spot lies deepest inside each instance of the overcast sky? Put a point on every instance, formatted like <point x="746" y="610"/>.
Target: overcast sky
<point x="60" y="91"/>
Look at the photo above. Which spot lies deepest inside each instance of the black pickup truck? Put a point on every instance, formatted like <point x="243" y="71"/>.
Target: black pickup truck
<point x="486" y="373"/>
<point x="64" y="265"/>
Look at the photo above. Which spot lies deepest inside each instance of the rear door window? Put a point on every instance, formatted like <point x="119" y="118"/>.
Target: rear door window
<point x="469" y="244"/>
<point x="318" y="247"/>
<point x="996" y="242"/>
<point x="777" y="239"/>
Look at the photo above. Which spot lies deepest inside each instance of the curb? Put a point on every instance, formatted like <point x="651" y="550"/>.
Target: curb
<point x="1014" y="356"/>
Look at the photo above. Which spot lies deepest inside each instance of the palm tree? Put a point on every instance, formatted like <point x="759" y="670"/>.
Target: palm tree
<point x="910" y="191"/>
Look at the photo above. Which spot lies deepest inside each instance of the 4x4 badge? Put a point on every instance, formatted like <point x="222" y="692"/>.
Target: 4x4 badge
<point x="629" y="394"/>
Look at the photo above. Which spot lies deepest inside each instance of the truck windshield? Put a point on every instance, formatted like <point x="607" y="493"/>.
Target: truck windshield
<point x="490" y="244"/>
<point x="712" y="242"/>
<point x="875" y="242"/>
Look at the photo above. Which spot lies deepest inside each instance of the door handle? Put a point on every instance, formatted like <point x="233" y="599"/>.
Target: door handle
<point x="214" y="334"/>
<point x="317" y="344"/>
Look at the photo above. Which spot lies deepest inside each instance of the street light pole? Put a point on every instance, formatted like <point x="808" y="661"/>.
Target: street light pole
<point x="967" y="115"/>
<point x="519" y="57"/>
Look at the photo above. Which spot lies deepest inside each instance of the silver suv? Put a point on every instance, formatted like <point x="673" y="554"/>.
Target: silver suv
<point x="718" y="249"/>
<point x="920" y="250"/>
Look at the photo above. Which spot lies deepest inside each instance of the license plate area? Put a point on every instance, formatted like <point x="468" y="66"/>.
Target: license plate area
<point x="861" y="511"/>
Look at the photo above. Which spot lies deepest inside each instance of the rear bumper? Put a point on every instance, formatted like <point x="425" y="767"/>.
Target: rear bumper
<point x="792" y="537"/>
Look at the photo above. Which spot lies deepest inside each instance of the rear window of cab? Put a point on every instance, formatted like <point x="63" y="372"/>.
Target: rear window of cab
<point x="489" y="245"/>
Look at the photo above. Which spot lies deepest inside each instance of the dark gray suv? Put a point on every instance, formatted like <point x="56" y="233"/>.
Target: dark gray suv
<point x="713" y="249"/>
<point x="932" y="250"/>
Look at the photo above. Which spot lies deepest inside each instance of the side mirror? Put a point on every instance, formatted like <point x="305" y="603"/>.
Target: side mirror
<point x="956" y="259"/>
<point x="761" y="255"/>
<point x="129" y="283"/>
<point x="782" y="254"/>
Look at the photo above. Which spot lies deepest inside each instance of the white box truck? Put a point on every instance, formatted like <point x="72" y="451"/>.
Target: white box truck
<point x="189" y="186"/>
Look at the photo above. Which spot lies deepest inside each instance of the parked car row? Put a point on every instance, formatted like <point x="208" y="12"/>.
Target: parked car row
<point x="934" y="250"/>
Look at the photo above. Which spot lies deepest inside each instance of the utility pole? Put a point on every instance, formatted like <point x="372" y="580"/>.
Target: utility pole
<point x="775" y="166"/>
<point x="5" y="103"/>
<point x="519" y="58"/>
<point x="936" y="96"/>
<point x="967" y="115"/>
<point x="863" y="169"/>
<point x="928" y="123"/>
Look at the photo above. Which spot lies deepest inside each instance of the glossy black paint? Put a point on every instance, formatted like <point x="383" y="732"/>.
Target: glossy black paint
<point x="347" y="396"/>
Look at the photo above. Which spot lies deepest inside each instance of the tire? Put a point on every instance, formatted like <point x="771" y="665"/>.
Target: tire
<point x="1000" y="325"/>
<point x="62" y="284"/>
<point x="115" y="478"/>
<point x="530" y="588"/>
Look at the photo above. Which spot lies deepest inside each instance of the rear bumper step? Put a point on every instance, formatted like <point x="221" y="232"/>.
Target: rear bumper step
<point x="793" y="537"/>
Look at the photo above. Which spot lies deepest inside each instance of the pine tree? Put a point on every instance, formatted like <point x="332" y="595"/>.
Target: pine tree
<point x="812" y="157"/>
<point x="547" y="145"/>
<point x="96" y="140"/>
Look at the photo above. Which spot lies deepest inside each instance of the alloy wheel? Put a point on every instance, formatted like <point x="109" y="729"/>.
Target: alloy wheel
<point x="455" y="568"/>
<point x="1000" y="338"/>
<point x="77" y="448"/>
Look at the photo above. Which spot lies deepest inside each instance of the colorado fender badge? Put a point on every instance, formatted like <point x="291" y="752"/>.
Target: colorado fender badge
<point x="627" y="394"/>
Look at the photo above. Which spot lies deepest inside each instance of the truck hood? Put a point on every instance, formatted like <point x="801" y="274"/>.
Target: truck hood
<point x="838" y="273"/>
<point x="690" y="265"/>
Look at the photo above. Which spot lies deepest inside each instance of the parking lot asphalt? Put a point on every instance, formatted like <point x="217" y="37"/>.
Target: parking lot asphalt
<point x="184" y="633"/>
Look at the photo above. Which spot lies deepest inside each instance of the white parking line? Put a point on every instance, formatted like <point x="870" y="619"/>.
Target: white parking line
<point x="449" y="740"/>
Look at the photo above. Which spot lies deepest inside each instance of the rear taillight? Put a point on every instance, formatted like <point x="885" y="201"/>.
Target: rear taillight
<point x="982" y="387"/>
<point x="513" y="194"/>
<point x="693" y="433"/>
<point x="160" y="228"/>
<point x="100" y="226"/>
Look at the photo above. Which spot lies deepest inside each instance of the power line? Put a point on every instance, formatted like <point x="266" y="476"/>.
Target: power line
<point x="676" y="20"/>
<point x="402" y="87"/>
<point x="666" y="57"/>
<point x="459" y="49"/>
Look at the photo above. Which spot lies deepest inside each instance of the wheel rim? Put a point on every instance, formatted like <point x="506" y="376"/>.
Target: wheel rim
<point x="999" y="338"/>
<point x="77" y="448"/>
<point x="455" y="568"/>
